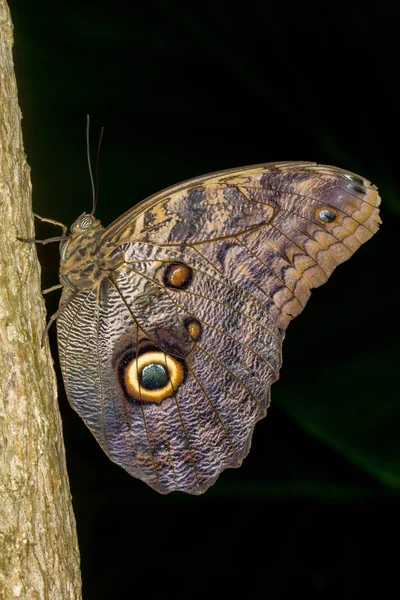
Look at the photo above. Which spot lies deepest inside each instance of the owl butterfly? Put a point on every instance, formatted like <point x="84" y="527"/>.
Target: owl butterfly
<point x="171" y="319"/>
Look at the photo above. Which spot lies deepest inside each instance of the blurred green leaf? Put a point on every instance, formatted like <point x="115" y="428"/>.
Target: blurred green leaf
<point x="364" y="429"/>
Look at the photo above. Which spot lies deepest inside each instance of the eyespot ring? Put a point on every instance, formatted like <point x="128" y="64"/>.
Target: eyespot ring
<point x="132" y="374"/>
<point x="177" y="276"/>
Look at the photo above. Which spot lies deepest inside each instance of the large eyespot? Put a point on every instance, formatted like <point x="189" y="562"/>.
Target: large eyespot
<point x="178" y="276"/>
<point x="152" y="376"/>
<point x="326" y="215"/>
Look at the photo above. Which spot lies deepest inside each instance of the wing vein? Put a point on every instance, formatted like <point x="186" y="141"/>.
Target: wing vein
<point x="202" y="321"/>
<point x="141" y="403"/>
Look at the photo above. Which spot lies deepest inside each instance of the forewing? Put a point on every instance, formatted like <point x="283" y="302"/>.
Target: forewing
<point x="260" y="227"/>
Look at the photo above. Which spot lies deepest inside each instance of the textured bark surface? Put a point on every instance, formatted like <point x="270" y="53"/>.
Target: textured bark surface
<point x="39" y="555"/>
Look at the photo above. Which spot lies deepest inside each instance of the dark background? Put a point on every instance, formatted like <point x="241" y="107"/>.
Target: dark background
<point x="185" y="88"/>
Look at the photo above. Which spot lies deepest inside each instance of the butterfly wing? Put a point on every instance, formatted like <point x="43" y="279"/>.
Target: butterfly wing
<point x="182" y="341"/>
<point x="203" y="426"/>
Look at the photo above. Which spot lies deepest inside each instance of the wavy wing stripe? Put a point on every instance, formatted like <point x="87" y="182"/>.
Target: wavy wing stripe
<point x="326" y="256"/>
<point x="122" y="224"/>
<point x="200" y="310"/>
<point x="177" y="434"/>
<point x="181" y="464"/>
<point x="78" y="317"/>
<point x="151" y="458"/>
<point x="208" y="456"/>
<point x="257" y="304"/>
<point x="271" y="195"/>
<point x="236" y="293"/>
<point x="233" y="404"/>
<point x="229" y="304"/>
<point x="277" y="286"/>
<point x="348" y="223"/>
<point x="345" y="232"/>
<point x="138" y="257"/>
<point x="233" y="407"/>
<point x="277" y="257"/>
<point x="126" y="227"/>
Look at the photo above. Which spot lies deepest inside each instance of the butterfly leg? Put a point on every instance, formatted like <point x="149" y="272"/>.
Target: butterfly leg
<point x="57" y="223"/>
<point x="52" y="288"/>
<point x="58" y="238"/>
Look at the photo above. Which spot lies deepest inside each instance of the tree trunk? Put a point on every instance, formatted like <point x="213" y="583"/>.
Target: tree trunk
<point x="39" y="557"/>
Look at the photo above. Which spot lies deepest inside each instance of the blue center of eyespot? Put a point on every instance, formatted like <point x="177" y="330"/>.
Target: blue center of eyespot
<point x="154" y="377"/>
<point x="327" y="215"/>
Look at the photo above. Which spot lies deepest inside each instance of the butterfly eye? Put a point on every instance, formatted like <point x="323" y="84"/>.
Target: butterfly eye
<point x="326" y="215"/>
<point x="152" y="376"/>
<point x="85" y="221"/>
<point x="178" y="276"/>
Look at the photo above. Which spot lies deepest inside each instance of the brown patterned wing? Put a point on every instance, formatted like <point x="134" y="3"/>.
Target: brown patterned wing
<point x="278" y="230"/>
<point x="185" y="333"/>
<point x="222" y="351"/>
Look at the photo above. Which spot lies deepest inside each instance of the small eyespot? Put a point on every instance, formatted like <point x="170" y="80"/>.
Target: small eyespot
<point x="178" y="276"/>
<point x="326" y="215"/>
<point x="193" y="328"/>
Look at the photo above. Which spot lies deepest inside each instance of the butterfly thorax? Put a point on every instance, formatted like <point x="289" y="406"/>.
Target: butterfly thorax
<point x="81" y="254"/>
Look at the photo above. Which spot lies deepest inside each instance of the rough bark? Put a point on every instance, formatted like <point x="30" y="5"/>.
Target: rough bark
<point x="39" y="555"/>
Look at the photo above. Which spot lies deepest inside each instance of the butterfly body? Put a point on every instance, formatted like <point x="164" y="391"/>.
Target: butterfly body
<point x="173" y="317"/>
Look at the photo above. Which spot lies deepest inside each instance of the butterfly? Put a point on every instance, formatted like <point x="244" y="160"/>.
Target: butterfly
<point x="172" y="318"/>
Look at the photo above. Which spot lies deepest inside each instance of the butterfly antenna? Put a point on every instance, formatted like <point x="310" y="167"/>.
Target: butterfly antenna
<point x="97" y="170"/>
<point x="90" y="166"/>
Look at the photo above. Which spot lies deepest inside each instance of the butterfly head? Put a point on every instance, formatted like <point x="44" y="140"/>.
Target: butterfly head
<point x="85" y="231"/>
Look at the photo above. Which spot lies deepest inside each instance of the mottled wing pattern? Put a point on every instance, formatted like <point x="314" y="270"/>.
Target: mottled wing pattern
<point x="210" y="274"/>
